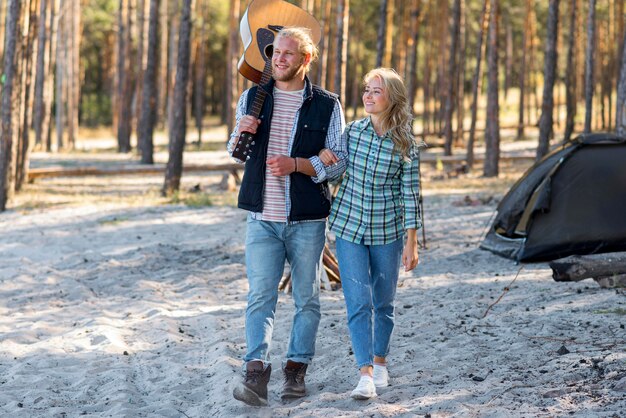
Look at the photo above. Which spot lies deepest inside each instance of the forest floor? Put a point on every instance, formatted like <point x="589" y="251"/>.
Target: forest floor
<point x="116" y="301"/>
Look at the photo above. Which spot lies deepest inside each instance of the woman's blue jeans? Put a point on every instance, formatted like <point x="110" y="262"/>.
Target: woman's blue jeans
<point x="268" y="245"/>
<point x="369" y="276"/>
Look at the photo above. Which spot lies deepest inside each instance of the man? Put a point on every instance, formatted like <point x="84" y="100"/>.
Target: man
<point x="285" y="191"/>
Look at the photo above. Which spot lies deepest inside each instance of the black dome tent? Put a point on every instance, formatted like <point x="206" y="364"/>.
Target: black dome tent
<point x="573" y="201"/>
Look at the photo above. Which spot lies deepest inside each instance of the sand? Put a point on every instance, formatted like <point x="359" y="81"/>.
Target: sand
<point x="136" y="310"/>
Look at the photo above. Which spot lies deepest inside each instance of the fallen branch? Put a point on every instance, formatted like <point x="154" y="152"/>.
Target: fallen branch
<point x="506" y="289"/>
<point x="47" y="172"/>
<point x="579" y="267"/>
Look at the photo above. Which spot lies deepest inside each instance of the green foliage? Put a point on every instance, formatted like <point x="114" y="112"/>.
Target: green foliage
<point x="95" y="109"/>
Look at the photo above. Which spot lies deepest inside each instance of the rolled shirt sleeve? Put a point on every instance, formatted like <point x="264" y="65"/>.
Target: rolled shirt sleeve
<point x="411" y="190"/>
<point x="239" y="113"/>
<point x="336" y="142"/>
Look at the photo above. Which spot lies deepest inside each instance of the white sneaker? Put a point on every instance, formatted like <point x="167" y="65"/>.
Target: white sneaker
<point x="381" y="376"/>
<point x="365" y="389"/>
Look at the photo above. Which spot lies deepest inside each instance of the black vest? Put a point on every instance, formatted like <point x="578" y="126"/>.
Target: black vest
<point x="309" y="200"/>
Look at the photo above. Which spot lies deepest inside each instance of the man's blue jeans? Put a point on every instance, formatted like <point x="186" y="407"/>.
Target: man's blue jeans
<point x="369" y="276"/>
<point x="268" y="245"/>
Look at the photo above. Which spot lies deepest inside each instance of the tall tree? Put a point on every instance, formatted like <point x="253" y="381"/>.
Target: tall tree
<point x="589" y="63"/>
<point x="147" y="118"/>
<point x="178" y="128"/>
<point x="8" y="134"/>
<point x="200" y="75"/>
<point x="455" y="31"/>
<point x="29" y="54"/>
<point x="125" y="75"/>
<point x="492" y="127"/>
<point x="549" y="73"/>
<point x="341" y="53"/>
<point x="476" y="81"/>
<point x="382" y="33"/>
<point x="570" y="71"/>
<point x="43" y="57"/>
<point x="3" y="11"/>
<point x="526" y="39"/>
<point x="620" y="108"/>
<point x="162" y="81"/>
<point x="416" y="8"/>
<point x="231" y="66"/>
<point x="60" y="81"/>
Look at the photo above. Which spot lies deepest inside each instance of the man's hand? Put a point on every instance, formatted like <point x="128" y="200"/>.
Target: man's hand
<point x="281" y="165"/>
<point x="248" y="124"/>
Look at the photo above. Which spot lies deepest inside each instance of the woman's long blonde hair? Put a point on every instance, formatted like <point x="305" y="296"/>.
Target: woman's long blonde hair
<point x="397" y="118"/>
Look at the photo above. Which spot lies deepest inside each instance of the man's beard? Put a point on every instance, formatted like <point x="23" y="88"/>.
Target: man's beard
<point x="287" y="76"/>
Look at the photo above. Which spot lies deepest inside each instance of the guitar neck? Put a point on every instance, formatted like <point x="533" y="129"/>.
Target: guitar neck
<point x="259" y="97"/>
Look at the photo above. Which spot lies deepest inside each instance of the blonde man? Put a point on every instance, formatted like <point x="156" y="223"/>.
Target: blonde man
<point x="284" y="189"/>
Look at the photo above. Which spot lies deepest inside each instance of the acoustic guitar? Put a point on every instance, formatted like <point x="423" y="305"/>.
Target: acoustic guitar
<point x="264" y="14"/>
<point x="262" y="19"/>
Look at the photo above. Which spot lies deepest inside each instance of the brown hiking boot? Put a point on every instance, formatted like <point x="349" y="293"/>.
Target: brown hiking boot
<point x="294" y="372"/>
<point x="253" y="388"/>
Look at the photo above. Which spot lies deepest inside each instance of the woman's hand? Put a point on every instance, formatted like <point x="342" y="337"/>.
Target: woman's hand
<point x="327" y="157"/>
<point x="410" y="257"/>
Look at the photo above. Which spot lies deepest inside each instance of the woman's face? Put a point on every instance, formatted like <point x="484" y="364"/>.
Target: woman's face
<point x="375" y="96"/>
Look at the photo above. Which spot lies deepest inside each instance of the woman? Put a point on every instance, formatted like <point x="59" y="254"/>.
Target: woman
<point x="376" y="208"/>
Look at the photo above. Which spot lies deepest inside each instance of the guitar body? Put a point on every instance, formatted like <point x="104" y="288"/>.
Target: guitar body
<point x="262" y="14"/>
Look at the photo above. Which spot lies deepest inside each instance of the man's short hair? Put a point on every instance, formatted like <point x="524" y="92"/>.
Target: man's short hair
<point x="303" y="36"/>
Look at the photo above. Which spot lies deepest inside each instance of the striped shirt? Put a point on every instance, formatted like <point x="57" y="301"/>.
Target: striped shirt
<point x="286" y="105"/>
<point x="334" y="142"/>
<point x="379" y="195"/>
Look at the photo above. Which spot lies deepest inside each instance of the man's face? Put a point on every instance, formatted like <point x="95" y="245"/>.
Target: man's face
<point x="287" y="60"/>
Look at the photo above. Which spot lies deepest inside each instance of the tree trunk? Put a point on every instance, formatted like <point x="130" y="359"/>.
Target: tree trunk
<point x="172" y="60"/>
<point x="341" y="53"/>
<point x="8" y="134"/>
<point x="570" y="72"/>
<point x="382" y="33"/>
<point x="389" y="33"/>
<point x="462" y="71"/>
<point x="29" y="55"/>
<point x="174" y="166"/>
<point x="476" y="81"/>
<point x="620" y="108"/>
<point x="492" y="128"/>
<point x="61" y="62"/>
<point x="126" y="76"/>
<point x="580" y="267"/>
<point x="147" y="118"/>
<point x="162" y="80"/>
<point x="3" y="13"/>
<point x="589" y="64"/>
<point x="200" y="77"/>
<point x="48" y="83"/>
<point x="452" y="76"/>
<point x="416" y="8"/>
<point x="73" y="79"/>
<point x="549" y="72"/>
<point x="143" y="26"/>
<point x="324" y="44"/>
<point x="231" y="67"/>
<point x="43" y="58"/>
<point x="522" y="71"/>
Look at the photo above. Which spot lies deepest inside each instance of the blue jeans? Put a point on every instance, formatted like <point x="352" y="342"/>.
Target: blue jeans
<point x="369" y="276"/>
<point x="268" y="245"/>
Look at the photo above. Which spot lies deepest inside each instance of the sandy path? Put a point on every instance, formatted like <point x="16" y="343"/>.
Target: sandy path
<point x="112" y="310"/>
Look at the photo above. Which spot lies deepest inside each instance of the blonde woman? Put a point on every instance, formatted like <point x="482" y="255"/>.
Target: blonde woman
<point x="375" y="219"/>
